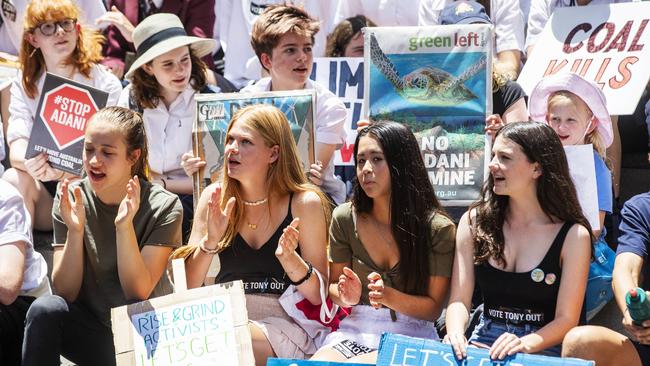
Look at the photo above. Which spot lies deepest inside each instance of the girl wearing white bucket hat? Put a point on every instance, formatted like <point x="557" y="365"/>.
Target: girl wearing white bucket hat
<point x="576" y="109"/>
<point x="165" y="77"/>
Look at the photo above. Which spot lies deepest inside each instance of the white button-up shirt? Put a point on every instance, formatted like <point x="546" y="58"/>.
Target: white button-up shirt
<point x="169" y="131"/>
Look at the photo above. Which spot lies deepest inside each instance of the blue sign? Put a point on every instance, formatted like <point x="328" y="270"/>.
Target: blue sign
<point x="295" y="362"/>
<point x="399" y="350"/>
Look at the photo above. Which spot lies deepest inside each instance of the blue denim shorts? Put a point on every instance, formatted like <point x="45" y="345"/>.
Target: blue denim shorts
<point x="487" y="331"/>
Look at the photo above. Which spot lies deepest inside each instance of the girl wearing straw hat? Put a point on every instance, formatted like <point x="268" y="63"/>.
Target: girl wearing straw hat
<point x="165" y="77"/>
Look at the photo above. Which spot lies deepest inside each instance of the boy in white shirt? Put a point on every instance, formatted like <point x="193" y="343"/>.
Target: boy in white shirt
<point x="283" y="38"/>
<point x="23" y="272"/>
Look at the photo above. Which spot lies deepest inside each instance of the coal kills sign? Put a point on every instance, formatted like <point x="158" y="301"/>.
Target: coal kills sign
<point x="607" y="44"/>
<point x="63" y="112"/>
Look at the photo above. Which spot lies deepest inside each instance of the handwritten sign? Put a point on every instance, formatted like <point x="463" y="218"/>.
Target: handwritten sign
<point x="344" y="78"/>
<point x="603" y="43"/>
<point x="399" y="350"/>
<point x="203" y="326"/>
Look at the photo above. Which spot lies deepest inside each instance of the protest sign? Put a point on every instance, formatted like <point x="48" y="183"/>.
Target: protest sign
<point x="399" y="350"/>
<point x="603" y="43"/>
<point x="214" y="112"/>
<point x="202" y="326"/>
<point x="583" y="175"/>
<point x="295" y="362"/>
<point x="63" y="111"/>
<point x="343" y="76"/>
<point x="436" y="80"/>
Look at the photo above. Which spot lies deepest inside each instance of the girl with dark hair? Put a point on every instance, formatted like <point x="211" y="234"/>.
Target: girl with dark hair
<point x="527" y="230"/>
<point x="165" y="78"/>
<point x="113" y="234"/>
<point x="391" y="248"/>
<point x="346" y="40"/>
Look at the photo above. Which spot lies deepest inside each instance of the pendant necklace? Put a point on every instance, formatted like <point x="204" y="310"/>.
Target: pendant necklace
<point x="253" y="226"/>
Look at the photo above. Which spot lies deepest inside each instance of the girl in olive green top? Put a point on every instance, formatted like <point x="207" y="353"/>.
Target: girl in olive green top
<point x="391" y="248"/>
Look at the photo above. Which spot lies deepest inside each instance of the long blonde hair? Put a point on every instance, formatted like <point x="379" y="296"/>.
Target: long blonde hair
<point x="284" y="176"/>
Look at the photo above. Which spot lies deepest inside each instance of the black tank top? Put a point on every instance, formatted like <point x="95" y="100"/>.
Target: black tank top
<point x="260" y="269"/>
<point x="523" y="297"/>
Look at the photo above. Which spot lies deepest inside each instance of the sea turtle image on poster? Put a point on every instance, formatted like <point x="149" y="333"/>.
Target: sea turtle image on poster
<point x="426" y="85"/>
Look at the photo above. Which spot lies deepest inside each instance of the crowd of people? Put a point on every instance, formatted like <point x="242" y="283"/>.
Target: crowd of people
<point x="389" y="256"/>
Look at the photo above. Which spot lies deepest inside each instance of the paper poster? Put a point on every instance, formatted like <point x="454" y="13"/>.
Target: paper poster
<point x="602" y="43"/>
<point x="214" y="112"/>
<point x="343" y="76"/>
<point x="583" y="175"/>
<point x="63" y="111"/>
<point x="437" y="81"/>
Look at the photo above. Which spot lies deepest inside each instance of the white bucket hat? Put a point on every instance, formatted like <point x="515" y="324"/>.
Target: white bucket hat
<point x="586" y="90"/>
<point x="161" y="33"/>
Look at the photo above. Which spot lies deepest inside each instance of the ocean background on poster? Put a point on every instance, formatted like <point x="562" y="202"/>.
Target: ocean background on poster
<point x="446" y="112"/>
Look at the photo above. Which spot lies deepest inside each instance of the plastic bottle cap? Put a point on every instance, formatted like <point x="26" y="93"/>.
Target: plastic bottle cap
<point x="633" y="293"/>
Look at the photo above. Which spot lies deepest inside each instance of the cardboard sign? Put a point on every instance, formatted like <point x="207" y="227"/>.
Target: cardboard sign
<point x="343" y="76"/>
<point x="214" y="112"/>
<point x="202" y="326"/>
<point x="295" y="362"/>
<point x="399" y="350"/>
<point x="63" y="111"/>
<point x="438" y="81"/>
<point x="603" y="43"/>
<point x="583" y="175"/>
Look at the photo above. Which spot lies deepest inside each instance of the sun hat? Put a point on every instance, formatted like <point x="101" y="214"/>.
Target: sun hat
<point x="161" y="33"/>
<point x="586" y="90"/>
<point x="464" y="12"/>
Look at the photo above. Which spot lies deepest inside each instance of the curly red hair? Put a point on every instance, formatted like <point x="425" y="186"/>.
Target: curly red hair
<point x="87" y="52"/>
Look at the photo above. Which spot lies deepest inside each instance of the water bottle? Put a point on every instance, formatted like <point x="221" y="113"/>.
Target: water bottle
<point x="638" y="305"/>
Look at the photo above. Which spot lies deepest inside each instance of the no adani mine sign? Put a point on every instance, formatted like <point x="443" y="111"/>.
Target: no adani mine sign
<point x="63" y="111"/>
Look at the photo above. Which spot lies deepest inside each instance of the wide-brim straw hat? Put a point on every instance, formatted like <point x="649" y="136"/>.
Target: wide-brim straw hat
<point x="586" y="90"/>
<point x="161" y="33"/>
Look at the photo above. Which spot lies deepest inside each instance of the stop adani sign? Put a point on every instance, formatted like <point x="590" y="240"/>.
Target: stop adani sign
<point x="63" y="112"/>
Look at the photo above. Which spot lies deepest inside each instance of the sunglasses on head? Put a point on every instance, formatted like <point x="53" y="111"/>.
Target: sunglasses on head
<point x="49" y="28"/>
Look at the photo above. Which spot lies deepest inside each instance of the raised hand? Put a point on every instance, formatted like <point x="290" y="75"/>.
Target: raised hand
<point x="289" y="240"/>
<point x="130" y="203"/>
<point x="119" y="20"/>
<point x="39" y="168"/>
<point x="72" y="211"/>
<point x="376" y="287"/>
<point x="191" y="164"/>
<point x="349" y="287"/>
<point x="217" y="218"/>
<point x="493" y="123"/>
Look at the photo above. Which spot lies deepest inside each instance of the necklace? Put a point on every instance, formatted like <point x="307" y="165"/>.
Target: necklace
<point x="256" y="203"/>
<point x="253" y="226"/>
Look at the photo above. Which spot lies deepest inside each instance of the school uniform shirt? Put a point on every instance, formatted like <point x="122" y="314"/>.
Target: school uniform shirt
<point x="385" y="13"/>
<point x="12" y="14"/>
<point x="16" y="226"/>
<point x="157" y="222"/>
<point x="634" y="232"/>
<point x="541" y="10"/>
<point x="169" y="131"/>
<point x="233" y="28"/>
<point x="22" y="109"/>
<point x="505" y="14"/>
<point x="329" y="127"/>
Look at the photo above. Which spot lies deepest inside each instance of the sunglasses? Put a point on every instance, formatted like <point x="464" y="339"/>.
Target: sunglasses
<point x="49" y="28"/>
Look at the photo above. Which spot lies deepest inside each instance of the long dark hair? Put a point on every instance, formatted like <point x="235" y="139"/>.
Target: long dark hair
<point x="413" y="201"/>
<point x="555" y="190"/>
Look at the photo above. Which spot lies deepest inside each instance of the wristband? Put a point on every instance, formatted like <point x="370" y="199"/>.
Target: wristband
<point x="307" y="275"/>
<point x="206" y="250"/>
<point x="164" y="184"/>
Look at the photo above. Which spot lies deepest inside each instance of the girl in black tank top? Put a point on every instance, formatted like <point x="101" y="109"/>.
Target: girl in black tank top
<point x="265" y="225"/>
<point x="533" y="292"/>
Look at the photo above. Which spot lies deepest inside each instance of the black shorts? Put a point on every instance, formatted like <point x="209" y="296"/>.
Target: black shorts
<point x="644" y="353"/>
